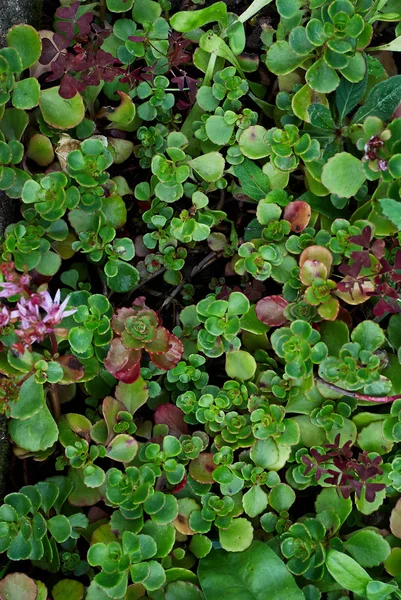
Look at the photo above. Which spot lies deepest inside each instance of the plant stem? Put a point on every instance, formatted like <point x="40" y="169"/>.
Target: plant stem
<point x="363" y="397"/>
<point x="145" y="281"/>
<point x="53" y="341"/>
<point x="55" y="401"/>
<point x="173" y="294"/>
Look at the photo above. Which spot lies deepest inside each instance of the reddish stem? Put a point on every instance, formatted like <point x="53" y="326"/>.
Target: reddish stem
<point x="363" y="397"/>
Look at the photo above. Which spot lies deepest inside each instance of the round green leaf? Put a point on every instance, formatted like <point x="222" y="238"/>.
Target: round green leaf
<point x="240" y="365"/>
<point x="343" y="175"/>
<point x="26" y="41"/>
<point x="26" y="93"/>
<point x="59" y="112"/>
<point x="255" y="574"/>
<point x="126" y="279"/>
<point x="237" y="537"/>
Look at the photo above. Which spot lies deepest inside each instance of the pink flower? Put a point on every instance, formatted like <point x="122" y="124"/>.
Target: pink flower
<point x="9" y="288"/>
<point x="55" y="311"/>
<point x="33" y="326"/>
<point x="4" y="317"/>
<point x="14" y="283"/>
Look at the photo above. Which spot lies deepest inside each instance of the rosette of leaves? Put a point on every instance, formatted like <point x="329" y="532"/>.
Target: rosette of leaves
<point x="221" y="323"/>
<point x="227" y="87"/>
<point x="51" y="195"/>
<point x="335" y="37"/>
<point x="27" y="529"/>
<point x="235" y="431"/>
<point x="269" y="421"/>
<point x="195" y="224"/>
<point x="331" y="415"/>
<point x="149" y="42"/>
<point x="300" y="346"/>
<point x="304" y="547"/>
<point x="129" y="558"/>
<point x="31" y="245"/>
<point x="359" y="364"/>
<point x="186" y="375"/>
<point x="158" y="100"/>
<point x="90" y="331"/>
<point x="88" y="164"/>
<point x="315" y="264"/>
<point x="215" y="510"/>
<point x="342" y="231"/>
<point x="136" y="329"/>
<point x="152" y="141"/>
<point x="164" y="458"/>
<point x="262" y="260"/>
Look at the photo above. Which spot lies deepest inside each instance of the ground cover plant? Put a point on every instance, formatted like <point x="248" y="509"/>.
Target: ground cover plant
<point x="200" y="347"/>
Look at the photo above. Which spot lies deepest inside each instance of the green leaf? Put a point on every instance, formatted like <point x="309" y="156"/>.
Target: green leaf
<point x="343" y="175"/>
<point x="254" y="183"/>
<point x="26" y="93"/>
<point x="254" y="501"/>
<point x="348" y="95"/>
<point x="368" y="548"/>
<point x="68" y="589"/>
<point x="31" y="399"/>
<point x="392" y="210"/>
<point x="347" y="572"/>
<point x="369" y="335"/>
<point x="280" y="59"/>
<point x="240" y="365"/>
<point x="26" y="41"/>
<point x="218" y="131"/>
<point x="209" y="166"/>
<point x="60" y="528"/>
<point x="252" y="142"/>
<point x="185" y="21"/>
<point x="382" y="100"/>
<point x="393" y="46"/>
<point x="132" y="395"/>
<point x="59" y="112"/>
<point x="122" y="448"/>
<point x="80" y="339"/>
<point x="255" y="574"/>
<point x="238" y="536"/>
<point x="119" y="6"/>
<point x="126" y="279"/>
<point x="321" y="77"/>
<point x="183" y="590"/>
<point x="38" y="432"/>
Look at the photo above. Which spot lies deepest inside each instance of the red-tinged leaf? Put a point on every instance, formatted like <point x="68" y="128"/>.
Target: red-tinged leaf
<point x="180" y="486"/>
<point x="298" y="214"/>
<point x="160" y="344"/>
<point x="73" y="370"/>
<point x="173" y="417"/>
<point x="122" y="363"/>
<point x="270" y="310"/>
<point x="201" y="468"/>
<point x="169" y="359"/>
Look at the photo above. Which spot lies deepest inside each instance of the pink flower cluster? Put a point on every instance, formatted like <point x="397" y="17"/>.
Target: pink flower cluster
<point x="14" y="283"/>
<point x="33" y="325"/>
